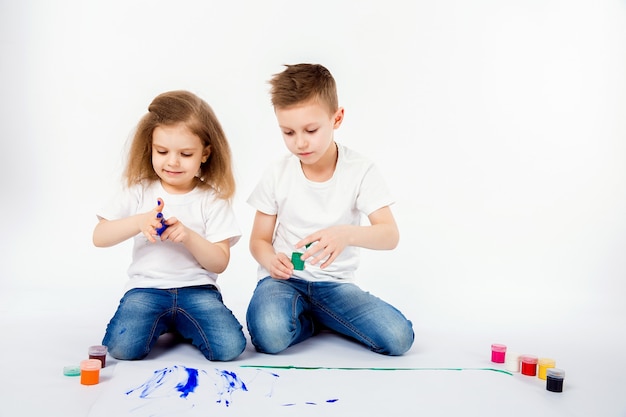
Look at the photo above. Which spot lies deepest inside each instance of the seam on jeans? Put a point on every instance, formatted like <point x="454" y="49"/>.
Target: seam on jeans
<point x="295" y="317"/>
<point x="153" y="331"/>
<point x="199" y="330"/>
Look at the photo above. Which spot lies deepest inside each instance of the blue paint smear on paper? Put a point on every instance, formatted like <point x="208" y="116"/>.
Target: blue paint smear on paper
<point x="231" y="383"/>
<point x="161" y="378"/>
<point x="190" y="385"/>
<point x="180" y="381"/>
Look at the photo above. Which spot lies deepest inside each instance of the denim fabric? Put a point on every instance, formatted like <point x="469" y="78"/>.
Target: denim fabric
<point x="285" y="312"/>
<point x="196" y="313"/>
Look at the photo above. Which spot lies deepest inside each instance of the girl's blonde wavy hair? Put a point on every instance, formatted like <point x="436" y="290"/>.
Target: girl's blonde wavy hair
<point x="175" y="107"/>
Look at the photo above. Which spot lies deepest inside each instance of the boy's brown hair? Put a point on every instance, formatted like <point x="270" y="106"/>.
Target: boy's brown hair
<point x="175" y="107"/>
<point x="300" y="83"/>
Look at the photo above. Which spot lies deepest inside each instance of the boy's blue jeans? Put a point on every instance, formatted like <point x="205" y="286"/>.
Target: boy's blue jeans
<point x="196" y="313"/>
<point x="285" y="312"/>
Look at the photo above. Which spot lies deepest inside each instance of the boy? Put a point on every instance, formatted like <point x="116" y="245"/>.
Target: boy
<point x="311" y="202"/>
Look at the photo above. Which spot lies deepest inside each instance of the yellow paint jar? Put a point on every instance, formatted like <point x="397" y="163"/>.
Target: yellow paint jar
<point x="544" y="364"/>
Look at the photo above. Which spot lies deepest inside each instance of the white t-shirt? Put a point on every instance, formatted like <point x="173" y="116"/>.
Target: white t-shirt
<point x="303" y="207"/>
<point x="166" y="264"/>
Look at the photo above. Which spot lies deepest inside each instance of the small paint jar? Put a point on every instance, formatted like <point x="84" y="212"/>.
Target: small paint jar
<point x="512" y="362"/>
<point x="71" y="370"/>
<point x="554" y="379"/>
<point x="98" y="352"/>
<point x="90" y="371"/>
<point x="529" y="365"/>
<point x="498" y="352"/>
<point x="544" y="364"/>
<point x="298" y="264"/>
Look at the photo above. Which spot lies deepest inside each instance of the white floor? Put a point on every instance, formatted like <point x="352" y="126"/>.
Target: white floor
<point x="45" y="329"/>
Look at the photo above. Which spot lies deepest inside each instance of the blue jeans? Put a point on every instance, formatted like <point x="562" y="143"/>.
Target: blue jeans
<point x="196" y="313"/>
<point x="285" y="312"/>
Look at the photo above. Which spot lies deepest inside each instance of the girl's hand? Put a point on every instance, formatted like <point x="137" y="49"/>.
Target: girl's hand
<point x="281" y="267"/>
<point x="176" y="231"/>
<point x="151" y="222"/>
<point x="326" y="245"/>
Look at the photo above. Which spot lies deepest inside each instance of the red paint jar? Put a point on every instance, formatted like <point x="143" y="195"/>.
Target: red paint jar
<point x="498" y="352"/>
<point x="98" y="352"/>
<point x="529" y="365"/>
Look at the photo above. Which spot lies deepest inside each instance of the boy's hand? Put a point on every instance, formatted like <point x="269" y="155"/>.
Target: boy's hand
<point x="281" y="267"/>
<point x="327" y="244"/>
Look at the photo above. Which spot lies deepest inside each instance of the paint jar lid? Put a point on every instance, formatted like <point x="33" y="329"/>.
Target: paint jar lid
<point x="555" y="373"/>
<point x="529" y="359"/>
<point x="546" y="362"/>
<point x="71" y="370"/>
<point x="497" y="347"/>
<point x="90" y="364"/>
<point x="98" y="350"/>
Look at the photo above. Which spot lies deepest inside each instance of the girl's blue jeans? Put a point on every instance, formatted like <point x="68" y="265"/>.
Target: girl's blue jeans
<point x="282" y="313"/>
<point x="196" y="313"/>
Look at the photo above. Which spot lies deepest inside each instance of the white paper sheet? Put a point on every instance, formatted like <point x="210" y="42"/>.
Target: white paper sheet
<point x="155" y="389"/>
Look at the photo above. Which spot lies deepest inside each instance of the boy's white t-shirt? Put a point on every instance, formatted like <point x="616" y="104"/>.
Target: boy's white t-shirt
<point x="303" y="207"/>
<point x="166" y="264"/>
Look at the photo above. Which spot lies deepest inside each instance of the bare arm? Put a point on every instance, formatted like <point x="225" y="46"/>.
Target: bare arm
<point x="111" y="232"/>
<point x="213" y="257"/>
<point x="278" y="264"/>
<point x="381" y="234"/>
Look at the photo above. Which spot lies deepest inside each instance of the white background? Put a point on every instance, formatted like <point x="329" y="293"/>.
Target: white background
<point x="499" y="125"/>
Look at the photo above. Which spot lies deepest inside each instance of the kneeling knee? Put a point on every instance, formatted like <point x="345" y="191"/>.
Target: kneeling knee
<point x="223" y="351"/>
<point x="269" y="348"/>
<point x="398" y="343"/>
<point x="122" y="354"/>
<point x="270" y="342"/>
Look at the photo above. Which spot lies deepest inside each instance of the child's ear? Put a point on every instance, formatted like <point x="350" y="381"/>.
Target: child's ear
<point x="338" y="118"/>
<point x="206" y="153"/>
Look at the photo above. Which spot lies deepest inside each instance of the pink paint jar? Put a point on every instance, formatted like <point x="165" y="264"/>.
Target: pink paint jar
<point x="529" y="365"/>
<point x="498" y="352"/>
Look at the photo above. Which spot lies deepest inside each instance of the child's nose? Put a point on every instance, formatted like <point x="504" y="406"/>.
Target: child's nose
<point x="173" y="160"/>
<point x="301" y="141"/>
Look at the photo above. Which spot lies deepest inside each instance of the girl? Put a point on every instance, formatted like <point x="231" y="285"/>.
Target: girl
<point x="176" y="207"/>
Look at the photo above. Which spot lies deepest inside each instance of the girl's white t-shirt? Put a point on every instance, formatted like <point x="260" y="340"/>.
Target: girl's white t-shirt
<point x="303" y="207"/>
<point x="165" y="264"/>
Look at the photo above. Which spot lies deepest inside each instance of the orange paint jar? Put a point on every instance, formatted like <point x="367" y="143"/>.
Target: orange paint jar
<point x="90" y="371"/>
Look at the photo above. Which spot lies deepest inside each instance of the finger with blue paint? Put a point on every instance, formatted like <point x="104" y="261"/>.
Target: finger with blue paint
<point x="159" y="216"/>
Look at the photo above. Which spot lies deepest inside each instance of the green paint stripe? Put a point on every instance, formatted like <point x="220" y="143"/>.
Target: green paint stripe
<point x="315" y="368"/>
